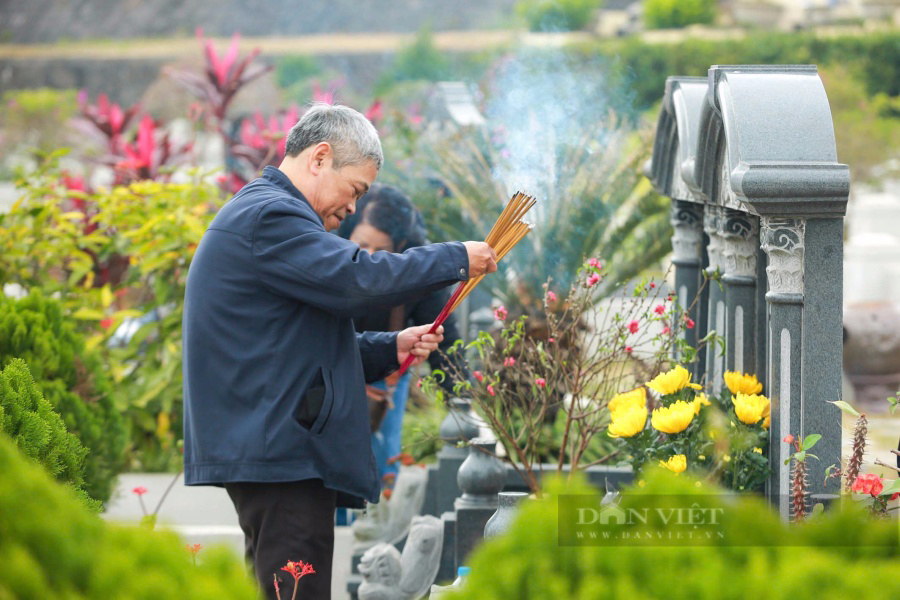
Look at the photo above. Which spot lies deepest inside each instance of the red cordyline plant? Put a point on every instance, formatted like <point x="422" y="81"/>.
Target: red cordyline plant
<point x="297" y="569"/>
<point x="105" y="123"/>
<point x="222" y="78"/>
<point x="133" y="157"/>
<point x="260" y="142"/>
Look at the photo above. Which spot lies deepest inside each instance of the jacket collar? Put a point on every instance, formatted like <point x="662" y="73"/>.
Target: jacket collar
<point x="276" y="176"/>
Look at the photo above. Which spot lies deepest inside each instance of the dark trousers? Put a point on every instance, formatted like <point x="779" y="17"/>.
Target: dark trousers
<point x="292" y="521"/>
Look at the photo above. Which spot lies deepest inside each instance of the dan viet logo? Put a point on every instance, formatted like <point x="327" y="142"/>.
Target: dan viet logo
<point x="669" y="520"/>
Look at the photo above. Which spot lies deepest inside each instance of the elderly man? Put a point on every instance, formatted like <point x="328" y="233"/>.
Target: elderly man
<point x="275" y="406"/>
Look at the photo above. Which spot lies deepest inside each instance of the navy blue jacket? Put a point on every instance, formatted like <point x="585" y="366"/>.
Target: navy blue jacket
<point x="274" y="373"/>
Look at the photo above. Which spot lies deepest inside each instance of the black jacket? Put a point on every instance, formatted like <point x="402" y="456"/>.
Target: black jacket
<point x="274" y="373"/>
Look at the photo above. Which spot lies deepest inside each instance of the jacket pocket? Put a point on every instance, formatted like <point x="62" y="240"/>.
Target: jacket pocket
<point x="317" y="402"/>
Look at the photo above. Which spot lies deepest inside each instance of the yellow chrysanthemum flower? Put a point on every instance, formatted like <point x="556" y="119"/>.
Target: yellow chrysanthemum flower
<point x="742" y="384"/>
<point x="758" y="450"/>
<point x="674" y="418"/>
<point x="676" y="464"/>
<point x="627" y="421"/>
<point x="699" y="402"/>
<point x="672" y="381"/>
<point x="750" y="408"/>
<point x="636" y="397"/>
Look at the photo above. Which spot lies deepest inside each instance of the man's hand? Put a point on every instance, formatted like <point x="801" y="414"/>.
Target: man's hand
<point x="482" y="258"/>
<point x="418" y="342"/>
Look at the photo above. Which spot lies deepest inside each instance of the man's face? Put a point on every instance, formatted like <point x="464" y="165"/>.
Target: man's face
<point x="339" y="190"/>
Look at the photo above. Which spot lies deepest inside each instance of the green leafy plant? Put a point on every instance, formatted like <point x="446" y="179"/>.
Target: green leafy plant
<point x="844" y="548"/>
<point x="421" y="60"/>
<point x="51" y="545"/>
<point x="557" y="15"/>
<point x="157" y="225"/>
<point x="34" y="119"/>
<point x="666" y="14"/>
<point x="72" y="378"/>
<point x="38" y="432"/>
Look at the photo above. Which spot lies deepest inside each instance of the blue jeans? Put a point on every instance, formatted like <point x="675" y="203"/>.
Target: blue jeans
<point x="387" y="441"/>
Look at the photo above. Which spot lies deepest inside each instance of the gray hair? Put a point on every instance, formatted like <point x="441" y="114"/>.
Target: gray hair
<point x="353" y="138"/>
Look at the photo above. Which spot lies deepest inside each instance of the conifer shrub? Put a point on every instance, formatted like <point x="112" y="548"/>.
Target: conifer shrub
<point x="51" y="547"/>
<point x="71" y="378"/>
<point x="839" y="554"/>
<point x="37" y="431"/>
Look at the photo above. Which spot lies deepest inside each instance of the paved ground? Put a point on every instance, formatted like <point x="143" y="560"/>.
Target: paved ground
<point x="205" y="515"/>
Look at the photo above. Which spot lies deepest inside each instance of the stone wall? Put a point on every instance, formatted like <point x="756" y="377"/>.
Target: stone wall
<point x="42" y="21"/>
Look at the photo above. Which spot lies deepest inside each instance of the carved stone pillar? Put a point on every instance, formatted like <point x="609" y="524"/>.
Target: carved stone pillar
<point x="715" y="306"/>
<point x="740" y="235"/>
<point x="687" y="244"/>
<point x="782" y="240"/>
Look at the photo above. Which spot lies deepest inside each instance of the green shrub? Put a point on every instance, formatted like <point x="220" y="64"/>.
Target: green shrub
<point x="841" y="555"/>
<point x="873" y="61"/>
<point x="419" y="61"/>
<point x="71" y="378"/>
<point x="34" y="119"/>
<point x="157" y="226"/>
<point x="51" y="547"/>
<point x="291" y="69"/>
<point x="557" y="15"/>
<point x="881" y="64"/>
<point x="38" y="432"/>
<point x="666" y="14"/>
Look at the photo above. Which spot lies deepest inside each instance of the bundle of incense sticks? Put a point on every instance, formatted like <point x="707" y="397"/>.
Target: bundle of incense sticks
<point x="504" y="235"/>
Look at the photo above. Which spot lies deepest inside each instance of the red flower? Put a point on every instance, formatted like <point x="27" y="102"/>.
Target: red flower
<point x="551" y="297"/>
<point x="868" y="484"/>
<point x="107" y="322"/>
<point x="478" y="376"/>
<point x="652" y="285"/>
<point x="404" y="458"/>
<point x="195" y="548"/>
<point x="593" y="279"/>
<point x="593" y="262"/>
<point x="633" y="326"/>
<point x="689" y="323"/>
<point x="298" y="569"/>
<point x="660" y="309"/>
<point x="666" y="330"/>
<point x="500" y="313"/>
<point x="139" y="490"/>
<point x="510" y="361"/>
<point x="628" y="349"/>
<point x="550" y="340"/>
<point x="540" y="382"/>
<point x="788" y="439"/>
<point x="490" y="390"/>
